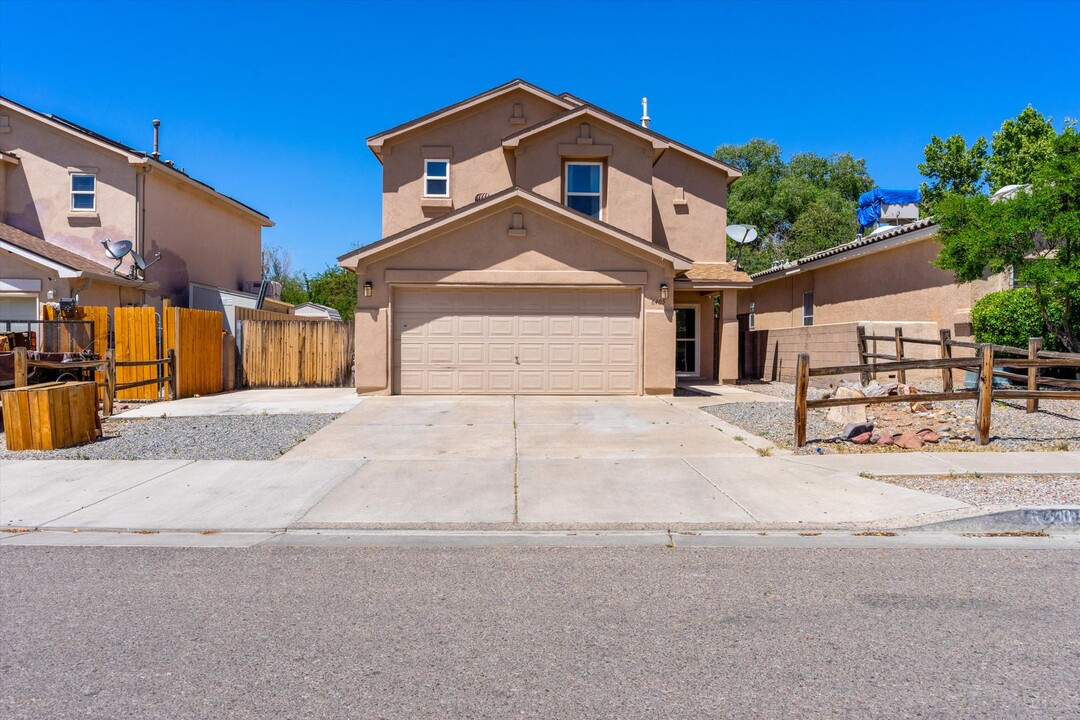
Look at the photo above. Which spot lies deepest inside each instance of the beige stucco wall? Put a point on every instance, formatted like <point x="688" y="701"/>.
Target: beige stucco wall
<point x="627" y="184"/>
<point x="894" y="284"/>
<point x="694" y="229"/>
<point x="554" y="253"/>
<point x="837" y="344"/>
<point x="478" y="163"/>
<point x="200" y="239"/>
<point x="38" y="189"/>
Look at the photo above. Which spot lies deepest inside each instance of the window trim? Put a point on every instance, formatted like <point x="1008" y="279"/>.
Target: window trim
<point x="72" y="192"/>
<point x="808" y="294"/>
<point x="436" y="177"/>
<point x="566" y="185"/>
<point x="696" y="372"/>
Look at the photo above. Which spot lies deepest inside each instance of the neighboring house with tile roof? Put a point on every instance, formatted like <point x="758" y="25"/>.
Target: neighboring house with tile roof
<point x="535" y="243"/>
<point x="64" y="188"/>
<point x="882" y="280"/>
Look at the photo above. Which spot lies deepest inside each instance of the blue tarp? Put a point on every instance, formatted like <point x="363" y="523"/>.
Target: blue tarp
<point x="870" y="202"/>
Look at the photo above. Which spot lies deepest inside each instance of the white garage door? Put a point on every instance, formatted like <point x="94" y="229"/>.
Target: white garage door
<point x="516" y="341"/>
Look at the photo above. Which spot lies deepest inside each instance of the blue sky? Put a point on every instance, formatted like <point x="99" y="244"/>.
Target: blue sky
<point x="271" y="102"/>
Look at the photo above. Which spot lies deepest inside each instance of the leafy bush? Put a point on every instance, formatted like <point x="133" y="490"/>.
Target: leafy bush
<point x="1011" y="317"/>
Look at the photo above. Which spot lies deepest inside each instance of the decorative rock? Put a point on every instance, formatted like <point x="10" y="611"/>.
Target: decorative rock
<point x="861" y="439"/>
<point x="927" y="435"/>
<point x="853" y="429"/>
<point x="846" y="414"/>
<point x="908" y="441"/>
<point x="884" y="439"/>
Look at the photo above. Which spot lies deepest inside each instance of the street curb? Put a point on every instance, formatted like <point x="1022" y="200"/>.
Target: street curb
<point x="1058" y="519"/>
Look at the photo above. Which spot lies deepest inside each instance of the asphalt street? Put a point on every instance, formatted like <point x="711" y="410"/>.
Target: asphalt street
<point x="278" y="632"/>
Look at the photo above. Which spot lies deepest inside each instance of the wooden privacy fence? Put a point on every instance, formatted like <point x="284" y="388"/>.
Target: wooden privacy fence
<point x="296" y="353"/>
<point x="194" y="336"/>
<point x="135" y="341"/>
<point x="985" y="392"/>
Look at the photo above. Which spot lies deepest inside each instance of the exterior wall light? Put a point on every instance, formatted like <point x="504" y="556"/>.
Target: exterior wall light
<point x="663" y="292"/>
<point x="367" y="288"/>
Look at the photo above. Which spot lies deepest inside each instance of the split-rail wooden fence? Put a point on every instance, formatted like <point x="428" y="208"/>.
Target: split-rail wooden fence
<point x="989" y="361"/>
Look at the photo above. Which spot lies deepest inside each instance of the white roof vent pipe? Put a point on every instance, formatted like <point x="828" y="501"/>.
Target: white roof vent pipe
<point x="157" y="129"/>
<point x="645" y="112"/>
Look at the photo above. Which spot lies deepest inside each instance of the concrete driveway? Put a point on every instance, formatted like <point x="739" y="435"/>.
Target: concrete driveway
<point x="574" y="461"/>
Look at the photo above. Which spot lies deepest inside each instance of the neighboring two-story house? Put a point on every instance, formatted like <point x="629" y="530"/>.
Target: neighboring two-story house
<point x="64" y="188"/>
<point x="534" y="243"/>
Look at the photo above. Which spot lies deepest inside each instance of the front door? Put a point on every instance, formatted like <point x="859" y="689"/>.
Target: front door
<point x="686" y="340"/>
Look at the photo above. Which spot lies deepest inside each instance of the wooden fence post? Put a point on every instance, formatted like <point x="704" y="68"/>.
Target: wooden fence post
<point x="802" y="385"/>
<point x="171" y="354"/>
<point x="986" y="393"/>
<point x="946" y="352"/>
<point x="1034" y="346"/>
<point x="864" y="375"/>
<point x="110" y="383"/>
<point x="901" y="375"/>
<point x="20" y="367"/>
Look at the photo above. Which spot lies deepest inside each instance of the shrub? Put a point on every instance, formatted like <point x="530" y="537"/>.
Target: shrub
<point x="1011" y="317"/>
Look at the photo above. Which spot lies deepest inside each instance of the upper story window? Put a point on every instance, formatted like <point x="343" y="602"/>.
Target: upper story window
<point x="83" y="191"/>
<point x="584" y="187"/>
<point x="436" y="178"/>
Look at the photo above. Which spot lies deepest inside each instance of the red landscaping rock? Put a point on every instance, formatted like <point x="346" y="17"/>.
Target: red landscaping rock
<point x="908" y="441"/>
<point x="928" y="435"/>
<point x="861" y="438"/>
<point x="884" y="440"/>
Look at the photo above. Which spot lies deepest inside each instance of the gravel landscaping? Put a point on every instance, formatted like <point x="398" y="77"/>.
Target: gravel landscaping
<point x="1056" y="427"/>
<point x="215" y="437"/>
<point x="1024" y="490"/>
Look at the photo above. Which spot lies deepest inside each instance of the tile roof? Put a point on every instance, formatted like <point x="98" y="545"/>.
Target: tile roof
<point x="716" y="272"/>
<point x="855" y="244"/>
<point x="44" y="248"/>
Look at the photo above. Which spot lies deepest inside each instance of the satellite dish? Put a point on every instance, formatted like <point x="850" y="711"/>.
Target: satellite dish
<point x="742" y="234"/>
<point x="120" y="249"/>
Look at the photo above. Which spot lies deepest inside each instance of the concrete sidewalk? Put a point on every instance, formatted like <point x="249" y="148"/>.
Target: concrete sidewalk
<point x="734" y="492"/>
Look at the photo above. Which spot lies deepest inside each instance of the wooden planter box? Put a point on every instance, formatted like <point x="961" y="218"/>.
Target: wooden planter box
<point x="51" y="416"/>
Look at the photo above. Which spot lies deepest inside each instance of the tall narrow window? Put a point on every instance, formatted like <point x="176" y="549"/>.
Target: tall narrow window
<point x="752" y="319"/>
<point x="686" y="340"/>
<point x="83" y="191"/>
<point x="584" y="187"/>
<point x="436" y="178"/>
<point x="807" y="309"/>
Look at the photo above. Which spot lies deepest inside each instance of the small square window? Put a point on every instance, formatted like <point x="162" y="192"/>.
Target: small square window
<point x="807" y="309"/>
<point x="83" y="191"/>
<point x="584" y="187"/>
<point x="436" y="178"/>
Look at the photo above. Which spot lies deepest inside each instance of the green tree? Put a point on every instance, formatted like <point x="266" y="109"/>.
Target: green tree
<point x="1019" y="148"/>
<point x="952" y="167"/>
<point x="1036" y="233"/>
<point x="277" y="267"/>
<point x="798" y="207"/>
<point x="335" y="287"/>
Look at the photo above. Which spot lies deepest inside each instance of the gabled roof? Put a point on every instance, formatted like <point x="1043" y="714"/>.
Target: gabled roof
<point x="593" y="112"/>
<point x="660" y="142"/>
<point x="135" y="157"/>
<point x="508" y="197"/>
<point x="376" y="141"/>
<point x="912" y="231"/>
<point x="67" y="264"/>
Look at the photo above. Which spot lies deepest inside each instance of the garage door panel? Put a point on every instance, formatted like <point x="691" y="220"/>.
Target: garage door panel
<point x="503" y="341"/>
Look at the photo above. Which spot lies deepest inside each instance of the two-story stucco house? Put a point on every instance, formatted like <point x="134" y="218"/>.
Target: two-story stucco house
<point x="534" y="243"/>
<point x="64" y="188"/>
